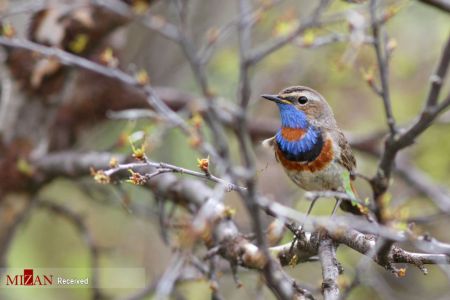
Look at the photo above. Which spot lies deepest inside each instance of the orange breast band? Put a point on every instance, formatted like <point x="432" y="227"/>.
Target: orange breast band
<point x="324" y="158"/>
<point x="292" y="134"/>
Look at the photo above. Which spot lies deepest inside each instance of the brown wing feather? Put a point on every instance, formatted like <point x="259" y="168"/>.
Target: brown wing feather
<point x="346" y="159"/>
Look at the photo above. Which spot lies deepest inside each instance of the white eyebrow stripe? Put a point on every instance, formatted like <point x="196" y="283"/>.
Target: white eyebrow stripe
<point x="310" y="95"/>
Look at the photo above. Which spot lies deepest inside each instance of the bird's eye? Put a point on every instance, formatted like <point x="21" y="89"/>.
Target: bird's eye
<point x="302" y="99"/>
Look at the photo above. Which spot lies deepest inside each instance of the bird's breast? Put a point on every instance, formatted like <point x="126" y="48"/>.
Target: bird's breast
<point x="322" y="158"/>
<point x="323" y="173"/>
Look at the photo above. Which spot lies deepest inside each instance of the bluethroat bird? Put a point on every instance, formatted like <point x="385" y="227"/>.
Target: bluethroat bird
<point x="310" y="146"/>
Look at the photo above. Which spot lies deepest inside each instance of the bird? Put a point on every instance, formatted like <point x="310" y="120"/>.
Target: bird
<point x="311" y="148"/>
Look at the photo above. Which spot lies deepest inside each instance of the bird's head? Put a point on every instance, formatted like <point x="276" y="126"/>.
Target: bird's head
<point x="300" y="105"/>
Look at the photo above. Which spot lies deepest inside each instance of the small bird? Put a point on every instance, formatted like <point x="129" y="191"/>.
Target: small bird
<point x="310" y="146"/>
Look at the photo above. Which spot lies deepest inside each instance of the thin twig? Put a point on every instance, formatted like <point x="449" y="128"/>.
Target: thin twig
<point x="382" y="60"/>
<point x="162" y="167"/>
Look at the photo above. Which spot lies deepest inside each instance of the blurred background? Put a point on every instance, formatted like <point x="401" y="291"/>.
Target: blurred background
<point x="127" y="231"/>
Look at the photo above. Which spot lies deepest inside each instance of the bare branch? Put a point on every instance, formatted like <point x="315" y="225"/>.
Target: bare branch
<point x="168" y="279"/>
<point x="80" y="224"/>
<point x="437" y="79"/>
<point x="271" y="46"/>
<point x="330" y="270"/>
<point x="382" y="59"/>
<point x="170" y="168"/>
<point x="439" y="4"/>
<point x="423" y="183"/>
<point x="406" y="137"/>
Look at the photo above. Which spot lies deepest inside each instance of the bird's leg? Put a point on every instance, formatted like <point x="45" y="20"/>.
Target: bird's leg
<point x="300" y="227"/>
<point x="313" y="202"/>
<point x="338" y="202"/>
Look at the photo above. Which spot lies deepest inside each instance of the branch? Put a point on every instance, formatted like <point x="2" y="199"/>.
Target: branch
<point x="69" y="59"/>
<point x="195" y="196"/>
<point x="156" y="23"/>
<point x="439" y="4"/>
<point x="382" y="59"/>
<point x="271" y="46"/>
<point x="152" y="97"/>
<point x="13" y="211"/>
<point x="393" y="145"/>
<point x="423" y="184"/>
<point x="165" y="167"/>
<point x="330" y="270"/>
<point x="173" y="271"/>
<point x="80" y="225"/>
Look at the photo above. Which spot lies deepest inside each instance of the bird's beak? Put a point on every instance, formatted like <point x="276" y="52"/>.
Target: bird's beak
<point x="273" y="98"/>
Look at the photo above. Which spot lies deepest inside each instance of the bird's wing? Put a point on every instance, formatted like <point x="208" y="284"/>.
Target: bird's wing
<point x="346" y="158"/>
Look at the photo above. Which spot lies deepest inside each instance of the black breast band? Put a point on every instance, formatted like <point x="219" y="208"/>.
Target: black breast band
<point x="307" y="156"/>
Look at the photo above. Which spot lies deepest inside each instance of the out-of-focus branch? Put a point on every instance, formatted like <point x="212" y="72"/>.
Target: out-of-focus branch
<point x="79" y="223"/>
<point x="193" y="195"/>
<point x="439" y="4"/>
<point x="191" y="53"/>
<point x="152" y="97"/>
<point x="271" y="46"/>
<point x="12" y="213"/>
<point x="423" y="184"/>
<point x="24" y="8"/>
<point x="382" y="59"/>
<point x="72" y="164"/>
<point x="167" y="281"/>
<point x="69" y="59"/>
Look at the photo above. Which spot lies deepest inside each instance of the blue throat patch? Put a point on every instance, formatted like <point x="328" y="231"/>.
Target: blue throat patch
<point x="308" y="147"/>
<point x="292" y="117"/>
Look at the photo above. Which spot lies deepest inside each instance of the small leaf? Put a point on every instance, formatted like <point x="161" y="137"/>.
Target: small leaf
<point x="142" y="77"/>
<point x="140" y="6"/>
<point x="285" y="27"/>
<point x="8" y="30"/>
<point x="100" y="176"/>
<point x="79" y="43"/>
<point x="229" y="212"/>
<point x="113" y="162"/>
<point x="197" y="120"/>
<point x="107" y="58"/>
<point x="308" y="38"/>
<point x="24" y="167"/>
<point x="139" y="153"/>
